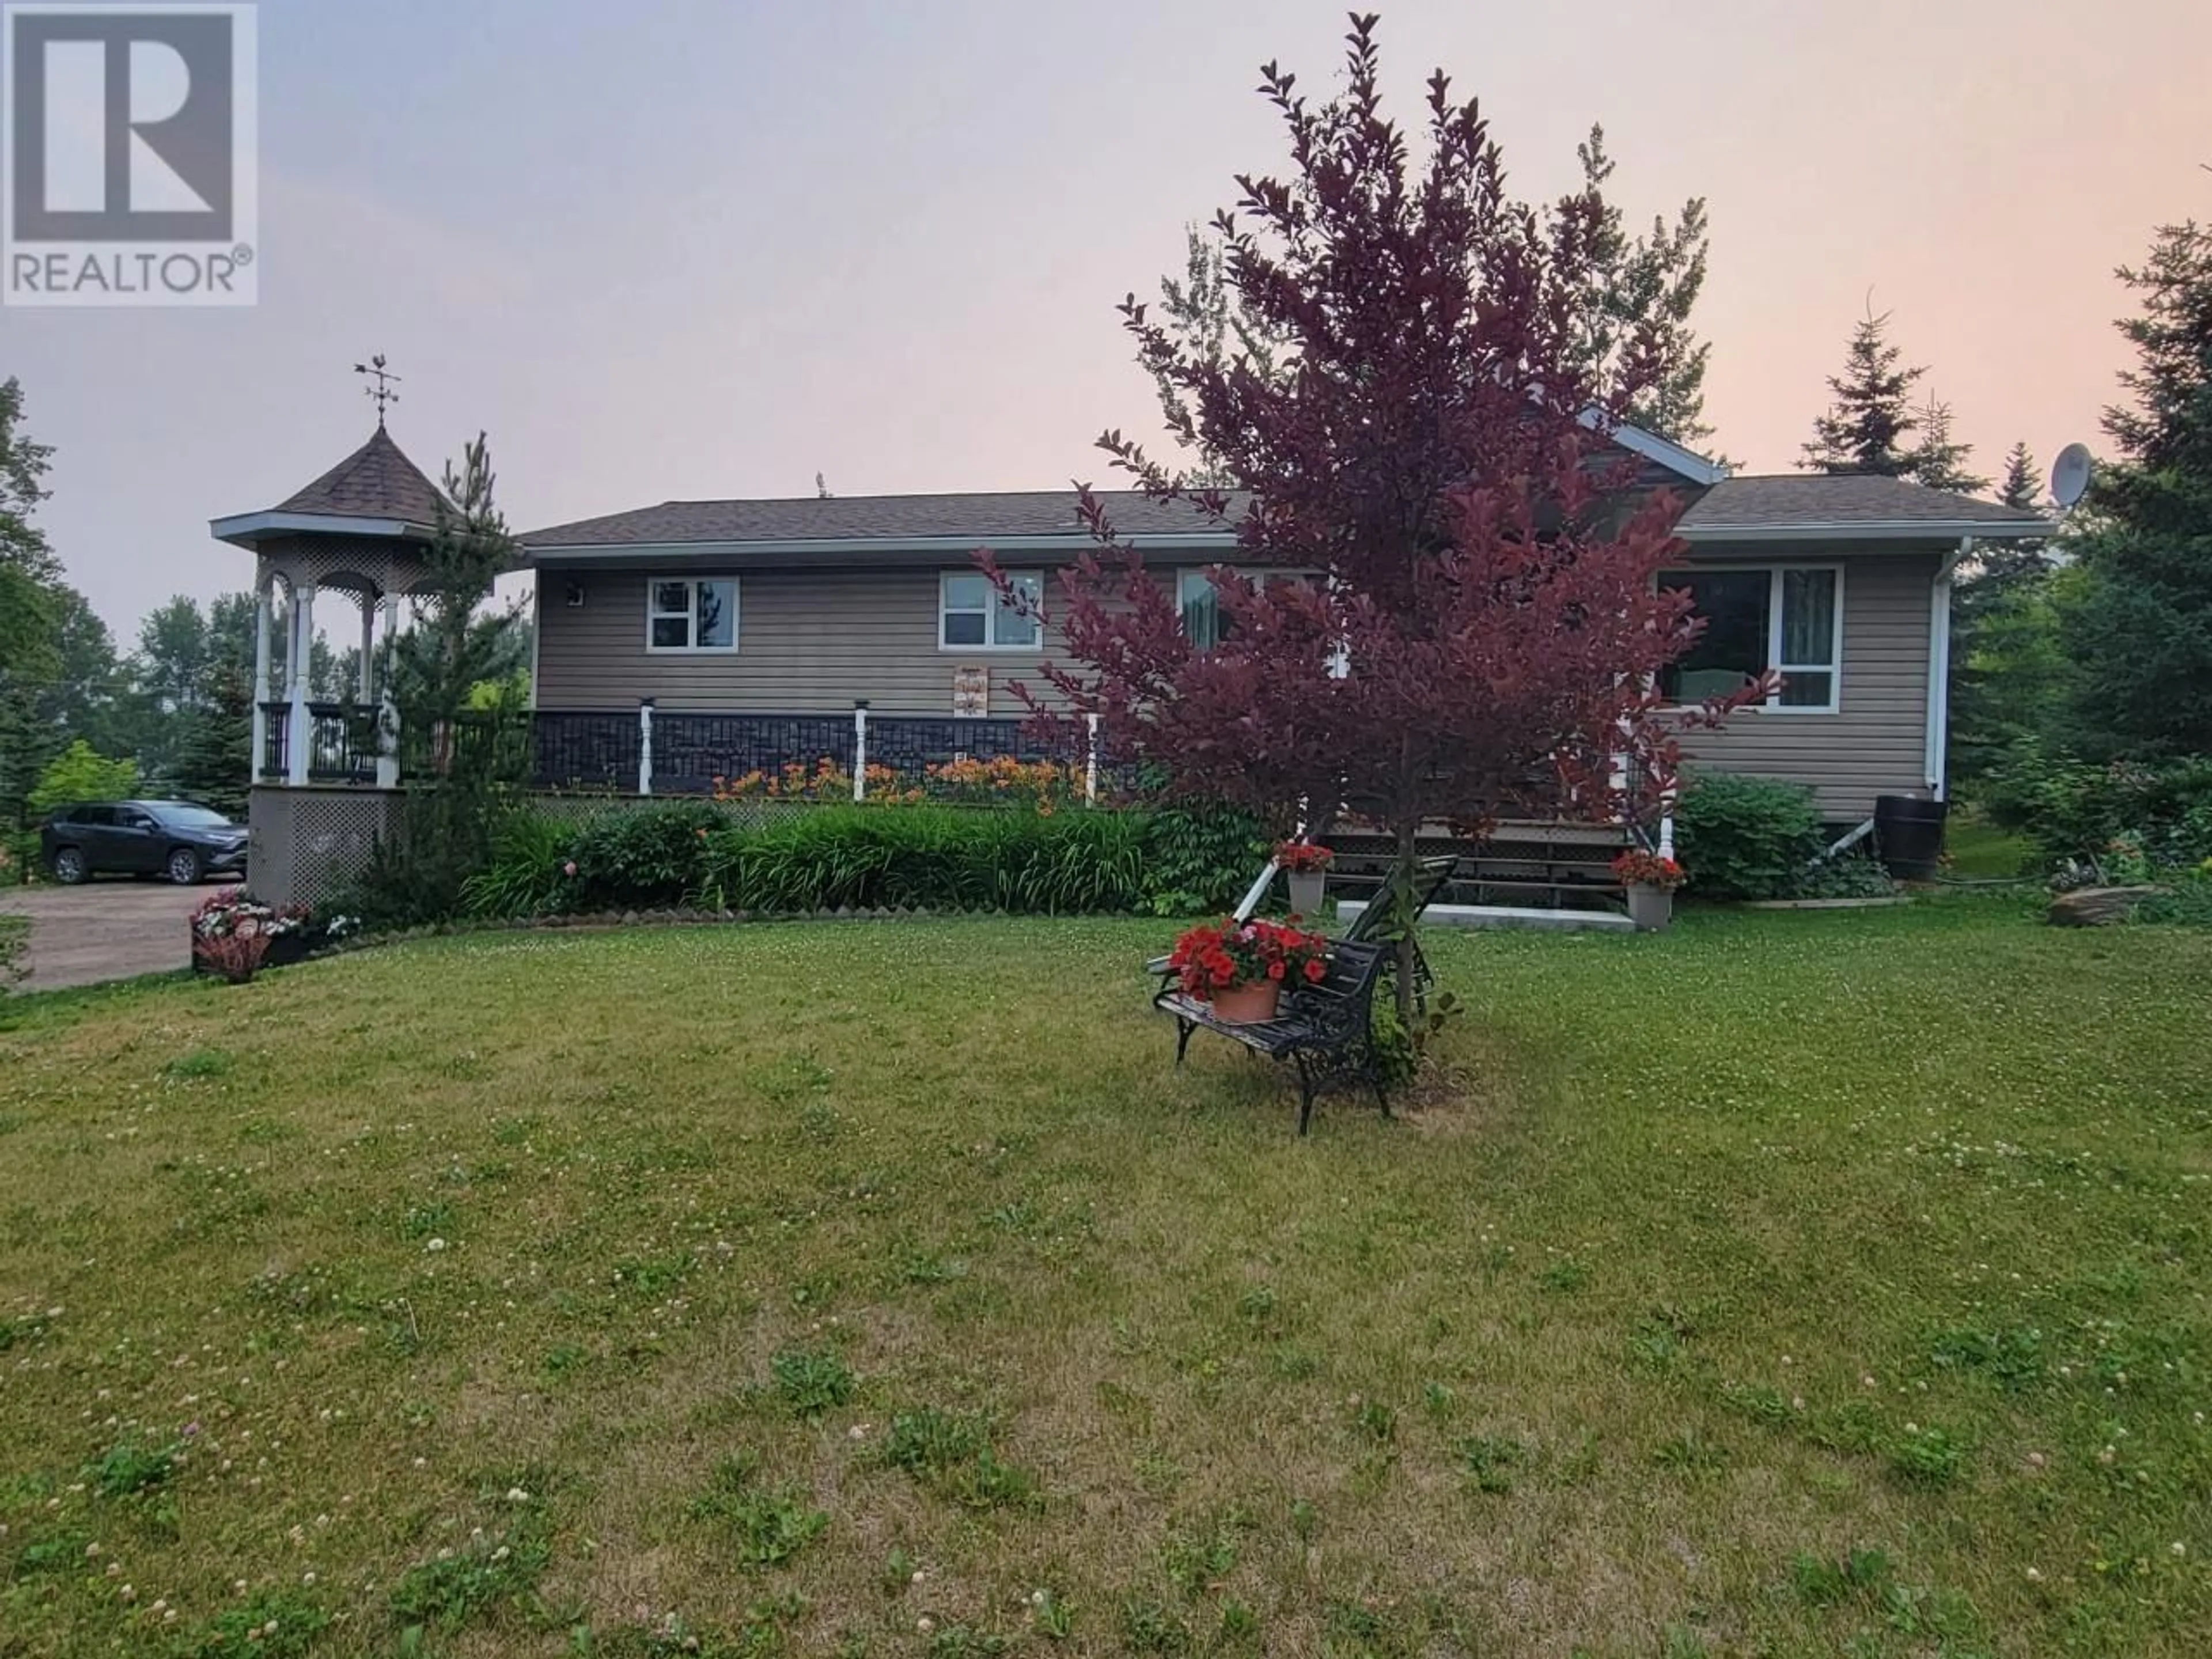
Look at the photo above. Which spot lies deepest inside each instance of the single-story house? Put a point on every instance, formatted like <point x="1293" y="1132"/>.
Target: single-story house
<point x="753" y="627"/>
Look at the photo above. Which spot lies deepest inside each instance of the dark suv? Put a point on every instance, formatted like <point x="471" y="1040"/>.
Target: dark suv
<point x="172" y="838"/>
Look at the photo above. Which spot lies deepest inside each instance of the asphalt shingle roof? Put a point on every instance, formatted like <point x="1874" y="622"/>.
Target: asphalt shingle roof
<point x="1787" y="498"/>
<point x="377" y="481"/>
<point x="1780" y="502"/>
<point x="981" y="515"/>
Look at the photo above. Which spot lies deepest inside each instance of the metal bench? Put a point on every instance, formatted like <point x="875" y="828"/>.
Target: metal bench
<point x="1322" y="1029"/>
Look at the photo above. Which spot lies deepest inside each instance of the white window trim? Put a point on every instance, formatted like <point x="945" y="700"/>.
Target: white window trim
<point x="990" y="614"/>
<point x="691" y="601"/>
<point x="1833" y="670"/>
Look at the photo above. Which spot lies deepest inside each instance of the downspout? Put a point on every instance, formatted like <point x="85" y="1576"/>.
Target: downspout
<point x="1939" y="670"/>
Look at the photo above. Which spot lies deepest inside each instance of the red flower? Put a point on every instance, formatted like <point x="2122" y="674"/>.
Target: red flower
<point x="1224" y="955"/>
<point x="1299" y="856"/>
<point x="1315" y="972"/>
<point x="1637" y="868"/>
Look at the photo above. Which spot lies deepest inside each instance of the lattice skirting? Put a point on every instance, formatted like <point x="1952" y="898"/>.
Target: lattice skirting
<point x="307" y="846"/>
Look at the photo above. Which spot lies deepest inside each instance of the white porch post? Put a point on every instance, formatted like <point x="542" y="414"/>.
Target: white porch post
<point x="387" y="724"/>
<point x="301" y="737"/>
<point x="261" y="621"/>
<point x="645" y="747"/>
<point x="1091" y="762"/>
<point x="860" y="751"/>
<point x="384" y="648"/>
<point x="368" y="673"/>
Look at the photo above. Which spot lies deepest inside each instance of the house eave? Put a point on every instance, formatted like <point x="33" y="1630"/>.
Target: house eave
<point x="1893" y="530"/>
<point x="889" y="548"/>
<point x="249" y="529"/>
<point x="1665" y="451"/>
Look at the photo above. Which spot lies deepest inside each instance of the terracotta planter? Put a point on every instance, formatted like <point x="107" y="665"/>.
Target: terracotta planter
<point x="1248" y="1005"/>
<point x="1651" y="909"/>
<point x="1308" y="891"/>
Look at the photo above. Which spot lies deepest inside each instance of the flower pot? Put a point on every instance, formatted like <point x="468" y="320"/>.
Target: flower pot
<point x="1309" y="890"/>
<point x="1651" y="909"/>
<point x="1248" y="1005"/>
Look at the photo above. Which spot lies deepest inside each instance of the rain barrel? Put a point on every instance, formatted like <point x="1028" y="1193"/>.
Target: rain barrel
<point x="1908" y="834"/>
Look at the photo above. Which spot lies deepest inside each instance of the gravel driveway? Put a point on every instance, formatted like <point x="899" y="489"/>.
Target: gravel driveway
<point x="103" y="930"/>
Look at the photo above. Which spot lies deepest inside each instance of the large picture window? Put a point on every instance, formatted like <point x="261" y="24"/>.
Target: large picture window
<point x="686" y="613"/>
<point x="970" y="615"/>
<point x="1789" y="619"/>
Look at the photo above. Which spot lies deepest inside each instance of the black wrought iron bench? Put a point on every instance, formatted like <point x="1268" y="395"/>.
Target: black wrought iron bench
<point x="1322" y="1029"/>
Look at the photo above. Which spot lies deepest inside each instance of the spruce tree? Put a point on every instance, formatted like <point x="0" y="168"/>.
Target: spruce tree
<point x="1201" y="312"/>
<point x="462" y="768"/>
<point x="214" y="749"/>
<point x="2140" y="633"/>
<point x="1940" y="460"/>
<point x="2022" y="488"/>
<point x="1866" y="428"/>
<point x="2010" y="676"/>
<point x="1643" y="283"/>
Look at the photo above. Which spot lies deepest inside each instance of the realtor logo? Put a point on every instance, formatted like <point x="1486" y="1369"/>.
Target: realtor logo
<point x="129" y="176"/>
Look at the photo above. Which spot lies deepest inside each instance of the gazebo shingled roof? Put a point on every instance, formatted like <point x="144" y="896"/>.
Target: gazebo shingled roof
<point x="377" y="481"/>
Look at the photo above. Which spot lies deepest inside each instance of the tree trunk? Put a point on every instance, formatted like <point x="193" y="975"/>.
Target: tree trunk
<point x="1402" y="881"/>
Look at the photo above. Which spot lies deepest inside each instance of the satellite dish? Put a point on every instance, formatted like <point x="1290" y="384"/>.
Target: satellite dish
<point x="2070" y="475"/>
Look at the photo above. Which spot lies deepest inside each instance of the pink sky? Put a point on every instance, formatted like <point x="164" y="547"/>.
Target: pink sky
<point x="693" y="248"/>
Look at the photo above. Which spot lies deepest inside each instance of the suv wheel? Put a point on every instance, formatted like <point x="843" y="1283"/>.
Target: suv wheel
<point x="184" y="867"/>
<point x="69" y="867"/>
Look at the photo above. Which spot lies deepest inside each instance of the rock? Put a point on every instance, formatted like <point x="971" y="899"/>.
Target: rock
<point x="2098" y="906"/>
<point x="629" y="918"/>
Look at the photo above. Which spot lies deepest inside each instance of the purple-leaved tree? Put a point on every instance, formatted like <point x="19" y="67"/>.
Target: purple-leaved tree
<point x="1441" y="604"/>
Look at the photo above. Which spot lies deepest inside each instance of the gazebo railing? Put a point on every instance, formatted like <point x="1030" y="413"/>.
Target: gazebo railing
<point x="341" y="744"/>
<point x="276" y="746"/>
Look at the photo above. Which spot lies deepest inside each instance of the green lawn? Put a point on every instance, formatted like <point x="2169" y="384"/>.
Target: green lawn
<point x="1977" y="847"/>
<point x="1788" y="1284"/>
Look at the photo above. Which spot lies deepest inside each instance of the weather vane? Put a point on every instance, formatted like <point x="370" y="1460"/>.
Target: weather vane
<point x="381" y="393"/>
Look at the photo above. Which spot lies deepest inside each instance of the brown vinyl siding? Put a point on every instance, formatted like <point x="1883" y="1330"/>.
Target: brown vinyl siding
<point x="1877" y="743"/>
<point x="808" y="643"/>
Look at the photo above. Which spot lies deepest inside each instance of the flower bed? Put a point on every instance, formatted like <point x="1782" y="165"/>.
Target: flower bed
<point x="235" y="935"/>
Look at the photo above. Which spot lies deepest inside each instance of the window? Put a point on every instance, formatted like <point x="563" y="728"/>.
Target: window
<point x="1789" y="619"/>
<point x="684" y="614"/>
<point x="971" y="616"/>
<point x="1200" y="605"/>
<point x="187" y="817"/>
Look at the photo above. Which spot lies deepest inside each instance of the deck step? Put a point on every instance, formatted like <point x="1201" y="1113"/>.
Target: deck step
<point x="1508" y="915"/>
